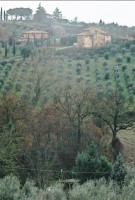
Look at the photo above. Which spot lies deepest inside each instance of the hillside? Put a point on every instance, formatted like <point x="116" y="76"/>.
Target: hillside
<point x="127" y="137"/>
<point x="52" y="26"/>
<point x="60" y="86"/>
<point x="63" y="27"/>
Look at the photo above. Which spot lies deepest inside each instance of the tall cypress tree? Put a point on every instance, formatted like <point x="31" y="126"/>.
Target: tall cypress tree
<point x="4" y="15"/>
<point x="14" y="47"/>
<point x="1" y="14"/>
<point x="28" y="40"/>
<point x="41" y="39"/>
<point x="6" y="51"/>
<point x="35" y="42"/>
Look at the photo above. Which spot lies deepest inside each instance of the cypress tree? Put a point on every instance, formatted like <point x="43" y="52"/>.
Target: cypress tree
<point x="5" y="49"/>
<point x="14" y="47"/>
<point x="4" y="15"/>
<point x="1" y="14"/>
<point x="34" y="40"/>
<point x="42" y="39"/>
<point x="28" y="40"/>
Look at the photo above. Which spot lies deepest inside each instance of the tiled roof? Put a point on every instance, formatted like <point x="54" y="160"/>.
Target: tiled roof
<point x="35" y="31"/>
<point x="86" y="34"/>
<point x="92" y="31"/>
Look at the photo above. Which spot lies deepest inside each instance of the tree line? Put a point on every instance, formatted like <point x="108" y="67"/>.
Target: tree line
<point x="26" y="13"/>
<point x="16" y="13"/>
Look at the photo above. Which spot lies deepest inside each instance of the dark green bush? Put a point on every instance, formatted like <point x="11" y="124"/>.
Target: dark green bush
<point x="1" y="67"/>
<point x="25" y="52"/>
<point x="105" y="63"/>
<point x="119" y="59"/>
<point x="128" y="59"/>
<point x="107" y="76"/>
<point x="2" y="80"/>
<point x="133" y="69"/>
<point x="90" y="165"/>
<point x="78" y="70"/>
<point x="123" y="51"/>
<point x="124" y="67"/>
<point x="4" y="62"/>
<point x="106" y="55"/>
<point x="18" y="86"/>
<point x="7" y="86"/>
<point x="12" y="61"/>
<point x="130" y="84"/>
<point x="9" y="66"/>
<point x="131" y="98"/>
<point x="87" y="61"/>
<point x="88" y="67"/>
<point x="79" y="64"/>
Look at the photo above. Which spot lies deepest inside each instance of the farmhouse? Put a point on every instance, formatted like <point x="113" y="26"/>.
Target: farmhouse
<point x="92" y="37"/>
<point x="35" y="34"/>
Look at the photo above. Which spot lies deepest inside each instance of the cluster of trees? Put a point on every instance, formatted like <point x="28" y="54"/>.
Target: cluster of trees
<point x="19" y="12"/>
<point x="9" y="45"/>
<point x="92" y="165"/>
<point x="39" y="143"/>
<point x="26" y="13"/>
<point x="3" y="15"/>
<point x="15" y="13"/>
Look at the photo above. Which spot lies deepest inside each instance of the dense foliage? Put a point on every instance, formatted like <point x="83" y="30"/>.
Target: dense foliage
<point x="10" y="188"/>
<point x="90" y="165"/>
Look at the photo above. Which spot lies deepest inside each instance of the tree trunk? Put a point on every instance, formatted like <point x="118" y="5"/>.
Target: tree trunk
<point x="114" y="138"/>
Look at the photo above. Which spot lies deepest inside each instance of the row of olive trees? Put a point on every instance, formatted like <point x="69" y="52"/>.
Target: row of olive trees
<point x="93" y="189"/>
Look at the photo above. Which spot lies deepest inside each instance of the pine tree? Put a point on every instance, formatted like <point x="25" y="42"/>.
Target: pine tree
<point x="40" y="14"/>
<point x="90" y="165"/>
<point x="119" y="170"/>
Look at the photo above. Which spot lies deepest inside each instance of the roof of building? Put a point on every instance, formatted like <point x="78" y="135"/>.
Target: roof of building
<point x="92" y="31"/>
<point x="35" y="31"/>
<point x="86" y="34"/>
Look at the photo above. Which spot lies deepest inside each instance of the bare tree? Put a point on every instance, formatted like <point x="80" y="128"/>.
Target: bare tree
<point x="111" y="108"/>
<point x="76" y="107"/>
